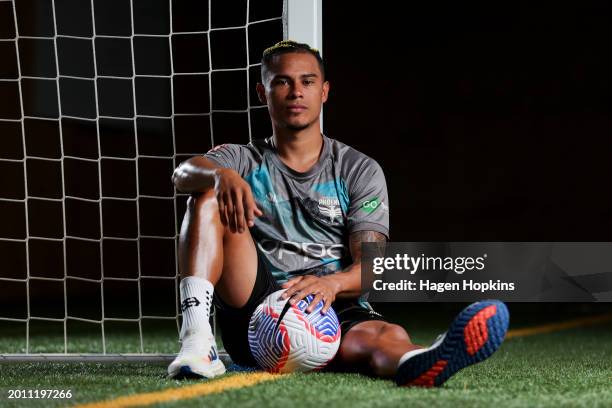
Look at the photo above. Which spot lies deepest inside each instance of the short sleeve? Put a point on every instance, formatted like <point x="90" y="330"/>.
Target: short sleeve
<point x="227" y="155"/>
<point x="368" y="200"/>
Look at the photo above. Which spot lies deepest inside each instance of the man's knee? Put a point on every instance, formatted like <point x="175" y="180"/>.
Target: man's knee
<point x="377" y="331"/>
<point x="393" y="332"/>
<point x="368" y="337"/>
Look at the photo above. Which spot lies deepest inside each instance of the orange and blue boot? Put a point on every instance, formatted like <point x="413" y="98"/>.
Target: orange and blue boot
<point x="475" y="334"/>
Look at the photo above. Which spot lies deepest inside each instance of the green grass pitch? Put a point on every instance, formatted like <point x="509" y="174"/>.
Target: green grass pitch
<point x="565" y="368"/>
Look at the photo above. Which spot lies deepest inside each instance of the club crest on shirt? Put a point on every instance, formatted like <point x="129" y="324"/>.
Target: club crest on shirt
<point x="325" y="209"/>
<point x="330" y="207"/>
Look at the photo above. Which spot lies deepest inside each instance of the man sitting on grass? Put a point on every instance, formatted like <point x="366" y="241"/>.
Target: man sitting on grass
<point x="291" y="211"/>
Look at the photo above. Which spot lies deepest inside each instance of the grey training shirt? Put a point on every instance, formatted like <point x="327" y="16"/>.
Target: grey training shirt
<point x="309" y="216"/>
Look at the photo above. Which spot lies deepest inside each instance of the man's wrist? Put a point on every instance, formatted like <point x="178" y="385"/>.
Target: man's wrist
<point x="217" y="172"/>
<point x="335" y="282"/>
<point x="344" y="281"/>
<point x="223" y="172"/>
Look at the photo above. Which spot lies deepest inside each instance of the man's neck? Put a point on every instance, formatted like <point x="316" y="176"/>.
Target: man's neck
<point x="299" y="150"/>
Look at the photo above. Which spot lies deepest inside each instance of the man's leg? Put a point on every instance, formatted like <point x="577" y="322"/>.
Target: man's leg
<point x="209" y="250"/>
<point x="385" y="350"/>
<point x="211" y="258"/>
<point x="374" y="347"/>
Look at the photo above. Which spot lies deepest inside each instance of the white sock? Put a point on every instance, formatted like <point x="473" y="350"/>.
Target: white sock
<point x="413" y="353"/>
<point x="196" y="300"/>
<point x="409" y="354"/>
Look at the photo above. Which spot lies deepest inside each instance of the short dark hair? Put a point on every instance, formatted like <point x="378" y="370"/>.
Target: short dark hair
<point x="286" y="47"/>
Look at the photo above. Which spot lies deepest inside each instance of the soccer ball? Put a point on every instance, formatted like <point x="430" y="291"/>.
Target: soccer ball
<point x="284" y="338"/>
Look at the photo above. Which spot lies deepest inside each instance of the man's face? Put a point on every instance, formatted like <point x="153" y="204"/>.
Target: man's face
<point x="294" y="90"/>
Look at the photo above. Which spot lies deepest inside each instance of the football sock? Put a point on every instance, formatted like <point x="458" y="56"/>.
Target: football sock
<point x="409" y="354"/>
<point x="415" y="352"/>
<point x="196" y="300"/>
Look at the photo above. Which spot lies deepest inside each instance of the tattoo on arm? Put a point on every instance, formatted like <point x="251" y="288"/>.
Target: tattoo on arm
<point x="356" y="238"/>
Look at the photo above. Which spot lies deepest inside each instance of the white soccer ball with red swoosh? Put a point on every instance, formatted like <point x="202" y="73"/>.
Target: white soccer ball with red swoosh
<point x="285" y="338"/>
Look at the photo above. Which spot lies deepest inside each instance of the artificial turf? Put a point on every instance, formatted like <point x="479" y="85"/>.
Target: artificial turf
<point x="565" y="368"/>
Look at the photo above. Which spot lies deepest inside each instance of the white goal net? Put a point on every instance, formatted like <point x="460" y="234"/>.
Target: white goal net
<point x="99" y="101"/>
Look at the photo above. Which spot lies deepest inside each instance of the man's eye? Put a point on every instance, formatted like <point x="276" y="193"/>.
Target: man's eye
<point x="308" y="82"/>
<point x="281" y="82"/>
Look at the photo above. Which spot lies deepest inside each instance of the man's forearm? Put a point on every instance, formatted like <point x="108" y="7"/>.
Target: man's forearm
<point x="348" y="282"/>
<point x="195" y="175"/>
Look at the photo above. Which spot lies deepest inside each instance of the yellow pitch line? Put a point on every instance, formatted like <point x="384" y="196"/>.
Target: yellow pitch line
<point x="553" y="327"/>
<point x="250" y="379"/>
<point x="175" y="394"/>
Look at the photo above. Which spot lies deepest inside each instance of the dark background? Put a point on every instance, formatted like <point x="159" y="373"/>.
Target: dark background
<point x="491" y="120"/>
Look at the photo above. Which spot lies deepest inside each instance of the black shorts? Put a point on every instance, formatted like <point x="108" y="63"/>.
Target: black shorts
<point x="234" y="323"/>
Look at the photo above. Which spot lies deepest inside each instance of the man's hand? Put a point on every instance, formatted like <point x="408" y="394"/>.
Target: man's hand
<point x="237" y="206"/>
<point x="324" y="289"/>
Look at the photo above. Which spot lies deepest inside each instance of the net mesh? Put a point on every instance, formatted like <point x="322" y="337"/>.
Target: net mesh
<point x="99" y="102"/>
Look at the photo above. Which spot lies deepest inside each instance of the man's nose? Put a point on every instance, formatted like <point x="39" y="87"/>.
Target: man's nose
<point x="297" y="91"/>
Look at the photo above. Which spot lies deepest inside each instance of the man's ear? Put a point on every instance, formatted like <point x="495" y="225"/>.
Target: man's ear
<point x="325" y="93"/>
<point x="261" y="93"/>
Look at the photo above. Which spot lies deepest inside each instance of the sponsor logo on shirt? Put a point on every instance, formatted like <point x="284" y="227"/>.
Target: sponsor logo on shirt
<point x="309" y="250"/>
<point x="371" y="205"/>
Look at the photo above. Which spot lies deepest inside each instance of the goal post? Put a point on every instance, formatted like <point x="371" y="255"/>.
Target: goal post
<point x="303" y="22"/>
<point x="99" y="104"/>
